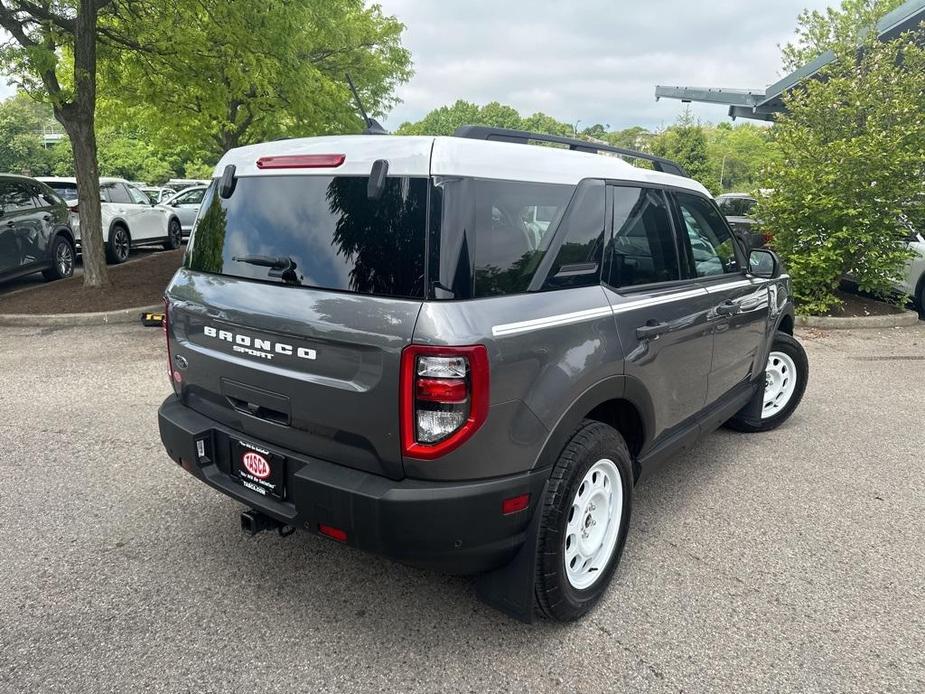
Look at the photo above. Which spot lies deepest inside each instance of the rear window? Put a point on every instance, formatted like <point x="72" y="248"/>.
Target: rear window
<point x="316" y="231"/>
<point x="68" y="191"/>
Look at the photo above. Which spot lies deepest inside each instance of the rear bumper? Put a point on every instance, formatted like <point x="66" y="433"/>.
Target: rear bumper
<point x="454" y="527"/>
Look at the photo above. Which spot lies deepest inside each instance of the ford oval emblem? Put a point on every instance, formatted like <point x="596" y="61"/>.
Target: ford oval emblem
<point x="257" y="465"/>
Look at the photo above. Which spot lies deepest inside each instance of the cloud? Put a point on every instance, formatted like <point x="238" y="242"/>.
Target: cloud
<point x="596" y="60"/>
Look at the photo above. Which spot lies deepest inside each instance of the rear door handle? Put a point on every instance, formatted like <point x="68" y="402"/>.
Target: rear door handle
<point x="728" y="308"/>
<point x="651" y="330"/>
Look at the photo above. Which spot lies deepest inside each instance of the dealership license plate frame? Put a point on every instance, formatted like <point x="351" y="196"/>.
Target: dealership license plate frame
<point x="274" y="485"/>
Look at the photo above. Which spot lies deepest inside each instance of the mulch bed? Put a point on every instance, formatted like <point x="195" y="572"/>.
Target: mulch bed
<point x="134" y="283"/>
<point x="855" y="305"/>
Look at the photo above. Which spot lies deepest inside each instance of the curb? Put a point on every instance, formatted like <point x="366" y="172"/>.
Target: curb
<point x="894" y="320"/>
<point x="62" y="320"/>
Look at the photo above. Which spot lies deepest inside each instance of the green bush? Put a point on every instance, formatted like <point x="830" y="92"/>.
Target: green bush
<point x="852" y="159"/>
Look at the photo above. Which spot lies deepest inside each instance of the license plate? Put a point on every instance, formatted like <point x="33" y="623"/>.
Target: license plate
<point x="258" y="469"/>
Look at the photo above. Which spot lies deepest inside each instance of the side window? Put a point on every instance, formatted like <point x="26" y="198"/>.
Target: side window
<point x="192" y="197"/>
<point x="115" y="192"/>
<point x="46" y="198"/>
<point x="15" y="197"/>
<point x="643" y="249"/>
<point x="707" y="236"/>
<point x="578" y="260"/>
<point x="138" y="197"/>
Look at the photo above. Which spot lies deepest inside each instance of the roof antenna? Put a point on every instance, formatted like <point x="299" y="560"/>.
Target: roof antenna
<point x="373" y="127"/>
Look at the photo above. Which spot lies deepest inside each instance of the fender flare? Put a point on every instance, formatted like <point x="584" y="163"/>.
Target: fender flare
<point x="620" y="387"/>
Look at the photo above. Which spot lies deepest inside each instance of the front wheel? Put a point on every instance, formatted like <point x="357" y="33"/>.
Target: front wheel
<point x="174" y="235"/>
<point x="62" y="259"/>
<point x="786" y="375"/>
<point x="585" y="519"/>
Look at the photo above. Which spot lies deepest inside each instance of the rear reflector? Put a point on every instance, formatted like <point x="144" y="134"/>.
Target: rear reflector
<point x="302" y="161"/>
<point x="515" y="504"/>
<point x="442" y="390"/>
<point x="333" y="533"/>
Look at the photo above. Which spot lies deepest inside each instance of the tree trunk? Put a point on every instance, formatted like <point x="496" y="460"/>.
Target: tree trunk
<point x="79" y="120"/>
<point x="93" y="251"/>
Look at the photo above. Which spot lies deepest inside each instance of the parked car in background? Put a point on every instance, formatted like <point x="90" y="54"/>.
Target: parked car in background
<point x="185" y="205"/>
<point x="179" y="184"/>
<point x="129" y="218"/>
<point x="158" y="195"/>
<point x="737" y="209"/>
<point x="35" y="232"/>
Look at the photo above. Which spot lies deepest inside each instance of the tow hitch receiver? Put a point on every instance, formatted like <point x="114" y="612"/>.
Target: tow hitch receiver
<point x="253" y="522"/>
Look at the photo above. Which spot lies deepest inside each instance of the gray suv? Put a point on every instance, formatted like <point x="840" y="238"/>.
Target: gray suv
<point x="464" y="352"/>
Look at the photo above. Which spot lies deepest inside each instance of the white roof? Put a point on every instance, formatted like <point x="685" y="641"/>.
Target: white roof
<point x="448" y="156"/>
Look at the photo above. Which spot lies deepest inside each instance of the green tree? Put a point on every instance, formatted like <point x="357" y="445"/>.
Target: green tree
<point x="852" y="160"/>
<point x="445" y="120"/>
<point x="818" y="32"/>
<point x="738" y="155"/>
<point x="22" y="122"/>
<point x="234" y="73"/>
<point x="686" y="143"/>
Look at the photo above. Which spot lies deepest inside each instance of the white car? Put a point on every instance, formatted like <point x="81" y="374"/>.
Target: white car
<point x="185" y="205"/>
<point x="914" y="279"/>
<point x="129" y="217"/>
<point x="158" y="195"/>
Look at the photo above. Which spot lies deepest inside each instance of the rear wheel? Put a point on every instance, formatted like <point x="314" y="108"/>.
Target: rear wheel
<point x="585" y="519"/>
<point x="119" y="245"/>
<point x="62" y="258"/>
<point x="786" y="374"/>
<point x="174" y="234"/>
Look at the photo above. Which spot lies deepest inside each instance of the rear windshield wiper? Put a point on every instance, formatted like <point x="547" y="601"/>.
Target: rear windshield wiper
<point x="281" y="267"/>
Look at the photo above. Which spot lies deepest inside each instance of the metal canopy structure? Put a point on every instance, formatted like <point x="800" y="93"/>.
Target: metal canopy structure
<point x="762" y="104"/>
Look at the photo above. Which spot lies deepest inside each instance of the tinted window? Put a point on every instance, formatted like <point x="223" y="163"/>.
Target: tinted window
<point x="736" y="207"/>
<point x="115" y="192"/>
<point x="643" y="249"/>
<point x="334" y="234"/>
<point x="493" y="234"/>
<point x="15" y="197"/>
<point x="708" y="237"/>
<point x="66" y="190"/>
<point x="578" y="260"/>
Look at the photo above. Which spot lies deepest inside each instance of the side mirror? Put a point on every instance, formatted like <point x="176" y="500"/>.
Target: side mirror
<point x="764" y="263"/>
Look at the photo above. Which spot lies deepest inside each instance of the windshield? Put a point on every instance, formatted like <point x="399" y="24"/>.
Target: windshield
<point x="316" y="231"/>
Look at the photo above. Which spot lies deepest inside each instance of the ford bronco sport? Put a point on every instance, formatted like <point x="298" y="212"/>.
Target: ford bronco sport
<point x="463" y="352"/>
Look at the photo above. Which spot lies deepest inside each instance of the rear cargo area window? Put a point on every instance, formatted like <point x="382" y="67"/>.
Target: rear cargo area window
<point x="492" y="235"/>
<point x="316" y="231"/>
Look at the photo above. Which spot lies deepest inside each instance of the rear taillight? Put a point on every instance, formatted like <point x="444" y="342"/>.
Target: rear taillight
<point x="73" y="208"/>
<point x="444" y="398"/>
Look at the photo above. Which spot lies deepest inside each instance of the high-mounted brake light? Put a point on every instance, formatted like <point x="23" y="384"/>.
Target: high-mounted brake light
<point x="444" y="398"/>
<point x="302" y="161"/>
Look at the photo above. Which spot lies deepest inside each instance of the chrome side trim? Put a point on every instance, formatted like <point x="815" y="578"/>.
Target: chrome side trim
<point x="550" y="321"/>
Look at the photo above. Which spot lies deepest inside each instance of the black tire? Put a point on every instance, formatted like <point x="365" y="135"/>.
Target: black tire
<point x="556" y="597"/>
<point x="119" y="245"/>
<point x="174" y="234"/>
<point x="63" y="258"/>
<point x="789" y="346"/>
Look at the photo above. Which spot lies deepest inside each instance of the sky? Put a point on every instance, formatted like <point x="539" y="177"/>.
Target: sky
<point x="596" y="61"/>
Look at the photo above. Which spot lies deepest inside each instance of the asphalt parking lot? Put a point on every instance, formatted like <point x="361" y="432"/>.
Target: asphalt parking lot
<point x="789" y="561"/>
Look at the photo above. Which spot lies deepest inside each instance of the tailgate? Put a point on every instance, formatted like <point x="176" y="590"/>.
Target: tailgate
<point x="309" y="370"/>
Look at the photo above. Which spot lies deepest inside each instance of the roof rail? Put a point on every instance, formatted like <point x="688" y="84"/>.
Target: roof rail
<point x="485" y="132"/>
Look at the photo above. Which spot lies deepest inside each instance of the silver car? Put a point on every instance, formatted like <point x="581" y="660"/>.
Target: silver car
<point x="185" y="205"/>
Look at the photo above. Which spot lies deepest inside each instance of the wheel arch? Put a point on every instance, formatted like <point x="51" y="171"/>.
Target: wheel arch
<point x="619" y="401"/>
<point x="119" y="222"/>
<point x="66" y="233"/>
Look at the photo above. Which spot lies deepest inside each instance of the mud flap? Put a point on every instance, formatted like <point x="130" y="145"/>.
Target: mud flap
<point x="751" y="413"/>
<point x="510" y="589"/>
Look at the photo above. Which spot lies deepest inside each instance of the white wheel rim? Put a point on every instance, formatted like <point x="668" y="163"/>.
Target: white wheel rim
<point x="780" y="383"/>
<point x="593" y="524"/>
